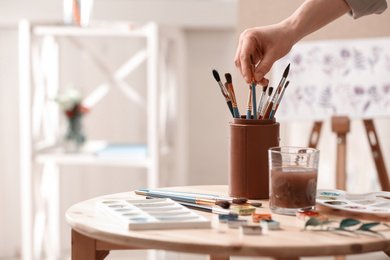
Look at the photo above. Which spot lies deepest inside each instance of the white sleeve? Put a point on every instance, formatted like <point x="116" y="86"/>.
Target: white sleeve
<point x="365" y="7"/>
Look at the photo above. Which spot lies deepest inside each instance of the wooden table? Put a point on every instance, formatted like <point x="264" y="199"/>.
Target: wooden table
<point x="95" y="234"/>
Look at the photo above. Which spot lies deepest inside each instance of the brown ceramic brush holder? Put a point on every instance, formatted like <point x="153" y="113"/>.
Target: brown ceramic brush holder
<point x="249" y="141"/>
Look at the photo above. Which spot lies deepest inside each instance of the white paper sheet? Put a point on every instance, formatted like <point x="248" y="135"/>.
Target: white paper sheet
<point x="338" y="77"/>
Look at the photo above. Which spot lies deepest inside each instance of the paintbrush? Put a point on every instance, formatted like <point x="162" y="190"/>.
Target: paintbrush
<point x="254" y="204"/>
<point x="270" y="105"/>
<point x="228" y="77"/>
<point x="268" y="110"/>
<point x="275" y="101"/>
<point x="281" y="96"/>
<point x="200" y="201"/>
<point x="283" y="79"/>
<point x="197" y="195"/>
<point x="261" y="100"/>
<point x="280" y="86"/>
<point x="249" y="104"/>
<point x="204" y="208"/>
<point x="270" y="89"/>
<point x="253" y="89"/>
<point x="224" y="91"/>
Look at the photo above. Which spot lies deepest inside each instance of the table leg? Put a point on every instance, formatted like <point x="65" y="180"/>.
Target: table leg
<point x="213" y="257"/>
<point x="286" y="258"/>
<point x="84" y="248"/>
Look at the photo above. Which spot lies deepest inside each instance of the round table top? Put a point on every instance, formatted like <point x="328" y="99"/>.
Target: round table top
<point x="289" y="241"/>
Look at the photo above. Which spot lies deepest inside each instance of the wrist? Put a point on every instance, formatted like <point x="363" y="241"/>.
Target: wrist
<point x="313" y="15"/>
<point x="292" y="31"/>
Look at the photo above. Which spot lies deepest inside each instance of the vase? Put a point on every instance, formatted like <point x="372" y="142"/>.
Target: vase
<point x="75" y="136"/>
<point x="77" y="12"/>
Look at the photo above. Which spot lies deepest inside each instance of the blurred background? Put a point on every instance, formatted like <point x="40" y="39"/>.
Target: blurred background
<point x="191" y="119"/>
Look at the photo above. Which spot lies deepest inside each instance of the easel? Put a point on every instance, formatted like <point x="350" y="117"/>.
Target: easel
<point x="340" y="125"/>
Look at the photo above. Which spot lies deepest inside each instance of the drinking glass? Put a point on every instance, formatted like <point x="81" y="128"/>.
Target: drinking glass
<point x="293" y="179"/>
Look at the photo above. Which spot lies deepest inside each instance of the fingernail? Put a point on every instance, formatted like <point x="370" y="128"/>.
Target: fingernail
<point x="246" y="79"/>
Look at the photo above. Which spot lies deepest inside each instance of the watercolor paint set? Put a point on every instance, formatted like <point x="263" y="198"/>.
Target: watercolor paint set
<point x="152" y="214"/>
<point x="377" y="203"/>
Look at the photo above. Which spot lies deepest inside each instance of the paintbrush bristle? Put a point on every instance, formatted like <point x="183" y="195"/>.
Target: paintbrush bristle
<point x="239" y="200"/>
<point x="286" y="71"/>
<point x="288" y="82"/>
<point x="266" y="86"/>
<point x="223" y="204"/>
<point x="216" y="75"/>
<point x="270" y="91"/>
<point x="256" y="204"/>
<point x="228" y="78"/>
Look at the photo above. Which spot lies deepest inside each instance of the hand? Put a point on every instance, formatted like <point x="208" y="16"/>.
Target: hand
<point x="266" y="44"/>
<point x="269" y="43"/>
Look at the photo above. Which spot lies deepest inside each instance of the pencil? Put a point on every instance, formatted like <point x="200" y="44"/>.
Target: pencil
<point x="224" y="91"/>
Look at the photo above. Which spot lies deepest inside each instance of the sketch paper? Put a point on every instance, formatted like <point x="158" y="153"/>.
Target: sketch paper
<point x="338" y="77"/>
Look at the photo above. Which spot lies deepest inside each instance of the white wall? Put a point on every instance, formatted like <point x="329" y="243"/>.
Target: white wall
<point x="210" y="42"/>
<point x="209" y="114"/>
<point x="9" y="176"/>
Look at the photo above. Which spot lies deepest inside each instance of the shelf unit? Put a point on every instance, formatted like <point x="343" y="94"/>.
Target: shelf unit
<point x="40" y="213"/>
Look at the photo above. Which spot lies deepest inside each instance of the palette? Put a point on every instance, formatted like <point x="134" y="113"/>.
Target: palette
<point x="377" y="203"/>
<point x="152" y="214"/>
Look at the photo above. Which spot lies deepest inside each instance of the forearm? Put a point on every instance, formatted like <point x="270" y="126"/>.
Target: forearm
<point x="313" y="15"/>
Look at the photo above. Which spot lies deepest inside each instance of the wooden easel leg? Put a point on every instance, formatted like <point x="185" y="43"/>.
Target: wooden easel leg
<point x="84" y="248"/>
<point x="377" y="154"/>
<point x="315" y="134"/>
<point x="340" y="125"/>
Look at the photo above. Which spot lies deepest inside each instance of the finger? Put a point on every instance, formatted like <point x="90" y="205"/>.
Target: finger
<point x="264" y="67"/>
<point x="264" y="82"/>
<point x="246" y="50"/>
<point x="256" y="58"/>
<point x="237" y="60"/>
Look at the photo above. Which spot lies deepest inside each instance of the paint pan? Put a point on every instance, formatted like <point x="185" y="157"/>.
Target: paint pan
<point x="152" y="214"/>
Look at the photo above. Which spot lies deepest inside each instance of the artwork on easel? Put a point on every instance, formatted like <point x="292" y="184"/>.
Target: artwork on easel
<point x="337" y="77"/>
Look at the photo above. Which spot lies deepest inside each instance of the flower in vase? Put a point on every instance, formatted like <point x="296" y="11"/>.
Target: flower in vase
<point x="71" y="103"/>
